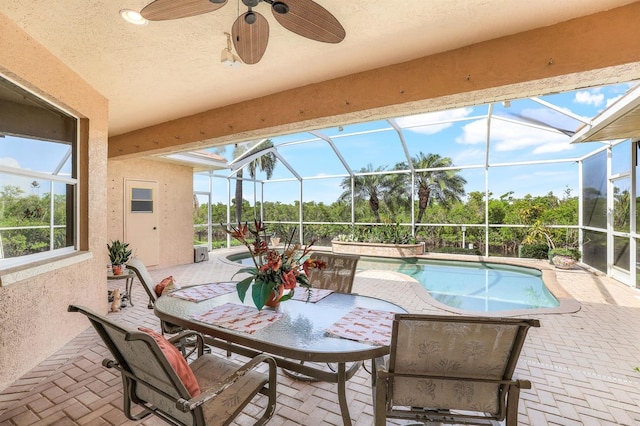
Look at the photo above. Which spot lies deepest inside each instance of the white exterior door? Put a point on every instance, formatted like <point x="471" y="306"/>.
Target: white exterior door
<point x="141" y="220"/>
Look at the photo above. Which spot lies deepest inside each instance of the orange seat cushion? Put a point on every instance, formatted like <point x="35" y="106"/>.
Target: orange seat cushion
<point x="176" y="360"/>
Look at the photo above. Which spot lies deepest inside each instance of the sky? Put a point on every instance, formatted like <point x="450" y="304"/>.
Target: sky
<point x="522" y="131"/>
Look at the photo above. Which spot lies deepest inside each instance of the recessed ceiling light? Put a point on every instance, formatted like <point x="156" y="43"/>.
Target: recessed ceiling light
<point x="133" y="17"/>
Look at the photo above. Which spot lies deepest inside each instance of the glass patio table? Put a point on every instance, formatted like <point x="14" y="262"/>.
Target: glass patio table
<point x="295" y="334"/>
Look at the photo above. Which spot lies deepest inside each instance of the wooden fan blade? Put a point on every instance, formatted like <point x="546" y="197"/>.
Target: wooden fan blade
<point x="162" y="10"/>
<point x="308" y="19"/>
<point x="250" y="40"/>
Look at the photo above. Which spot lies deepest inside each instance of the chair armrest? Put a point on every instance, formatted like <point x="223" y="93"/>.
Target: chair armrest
<point x="380" y="366"/>
<point x="185" y="333"/>
<point x="195" y="402"/>
<point x="174" y="340"/>
<point x="523" y="384"/>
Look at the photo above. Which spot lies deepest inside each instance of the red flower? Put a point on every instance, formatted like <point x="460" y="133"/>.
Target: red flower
<point x="289" y="280"/>
<point x="260" y="247"/>
<point x="259" y="226"/>
<point x="313" y="264"/>
<point x="274" y="261"/>
<point x="240" y="232"/>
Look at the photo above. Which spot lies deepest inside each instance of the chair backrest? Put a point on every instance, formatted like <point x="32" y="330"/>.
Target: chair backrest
<point x="140" y="360"/>
<point x="338" y="274"/>
<point x="454" y="362"/>
<point x="147" y="282"/>
<point x="136" y="265"/>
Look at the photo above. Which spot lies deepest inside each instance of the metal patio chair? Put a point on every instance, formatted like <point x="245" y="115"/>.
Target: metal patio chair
<point x="451" y="369"/>
<point x="185" y="345"/>
<point x="338" y="274"/>
<point x="136" y="265"/>
<point x="152" y="381"/>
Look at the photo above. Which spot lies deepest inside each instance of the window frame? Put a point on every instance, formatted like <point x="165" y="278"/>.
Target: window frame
<point x="73" y="223"/>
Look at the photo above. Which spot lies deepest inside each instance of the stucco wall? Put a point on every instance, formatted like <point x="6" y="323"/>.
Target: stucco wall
<point x="175" y="205"/>
<point x="34" y="322"/>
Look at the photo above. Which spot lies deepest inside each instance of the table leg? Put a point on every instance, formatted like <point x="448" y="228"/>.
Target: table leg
<point x="128" y="286"/>
<point x="342" y="394"/>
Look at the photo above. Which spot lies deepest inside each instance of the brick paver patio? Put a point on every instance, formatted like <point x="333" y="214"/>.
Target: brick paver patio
<point x="581" y="364"/>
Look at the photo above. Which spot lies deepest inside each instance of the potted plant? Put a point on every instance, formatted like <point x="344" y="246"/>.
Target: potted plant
<point x="561" y="257"/>
<point x="119" y="255"/>
<point x="564" y="258"/>
<point x="274" y="271"/>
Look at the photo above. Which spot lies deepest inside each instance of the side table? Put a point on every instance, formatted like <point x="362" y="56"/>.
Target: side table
<point x="127" y="275"/>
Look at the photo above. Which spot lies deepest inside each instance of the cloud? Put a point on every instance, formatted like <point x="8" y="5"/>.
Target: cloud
<point x="589" y="97"/>
<point x="508" y="136"/>
<point x="420" y="123"/>
<point x="553" y="147"/>
<point x="468" y="156"/>
<point x="613" y="100"/>
<point x="9" y="162"/>
<point x="473" y="133"/>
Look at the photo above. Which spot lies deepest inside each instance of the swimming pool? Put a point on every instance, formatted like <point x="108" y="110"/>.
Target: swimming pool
<point x="473" y="286"/>
<point x="469" y="286"/>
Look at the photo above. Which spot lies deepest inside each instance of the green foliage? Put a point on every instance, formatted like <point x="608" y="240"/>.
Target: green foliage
<point x="30" y="215"/>
<point x="457" y="250"/>
<point x="534" y="251"/>
<point x="384" y="234"/>
<point x="570" y="252"/>
<point x="118" y="252"/>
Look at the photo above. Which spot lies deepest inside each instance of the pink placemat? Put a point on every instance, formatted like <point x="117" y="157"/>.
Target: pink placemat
<point x="364" y="325"/>
<point x="203" y="292"/>
<point x="317" y="294"/>
<point x="239" y="317"/>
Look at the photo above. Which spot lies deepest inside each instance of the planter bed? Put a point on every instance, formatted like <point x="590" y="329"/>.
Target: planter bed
<point x="378" y="249"/>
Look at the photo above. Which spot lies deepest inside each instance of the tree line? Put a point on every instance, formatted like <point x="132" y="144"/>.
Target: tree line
<point x="28" y="217"/>
<point x="531" y="212"/>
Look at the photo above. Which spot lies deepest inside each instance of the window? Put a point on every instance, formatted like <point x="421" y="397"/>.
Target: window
<point x="38" y="177"/>
<point x="141" y="200"/>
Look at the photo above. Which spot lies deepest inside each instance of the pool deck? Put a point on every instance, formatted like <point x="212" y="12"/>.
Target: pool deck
<point x="581" y="362"/>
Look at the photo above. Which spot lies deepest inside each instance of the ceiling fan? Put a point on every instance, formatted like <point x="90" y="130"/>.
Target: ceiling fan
<point x="250" y="31"/>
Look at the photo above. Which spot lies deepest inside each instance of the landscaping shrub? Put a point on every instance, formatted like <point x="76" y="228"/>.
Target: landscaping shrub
<point x="534" y="251"/>
<point x="457" y="250"/>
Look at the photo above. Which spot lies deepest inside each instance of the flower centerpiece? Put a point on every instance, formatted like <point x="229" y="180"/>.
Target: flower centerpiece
<point x="275" y="270"/>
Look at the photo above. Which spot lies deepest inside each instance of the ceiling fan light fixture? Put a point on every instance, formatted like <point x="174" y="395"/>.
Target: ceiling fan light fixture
<point x="280" y="7"/>
<point x="133" y="17"/>
<point x="250" y="18"/>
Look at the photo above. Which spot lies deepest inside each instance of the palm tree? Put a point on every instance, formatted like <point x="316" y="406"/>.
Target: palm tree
<point x="394" y="189"/>
<point x="265" y="163"/>
<point x="366" y="187"/>
<point x="445" y="186"/>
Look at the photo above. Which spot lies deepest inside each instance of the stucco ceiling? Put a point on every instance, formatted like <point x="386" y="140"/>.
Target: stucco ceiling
<point x="171" y="69"/>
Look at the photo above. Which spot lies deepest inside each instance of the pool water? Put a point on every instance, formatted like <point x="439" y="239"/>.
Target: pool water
<point x="474" y="286"/>
<point x="470" y="286"/>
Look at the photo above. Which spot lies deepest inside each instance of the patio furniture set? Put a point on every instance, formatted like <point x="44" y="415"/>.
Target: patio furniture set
<point x="452" y="369"/>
